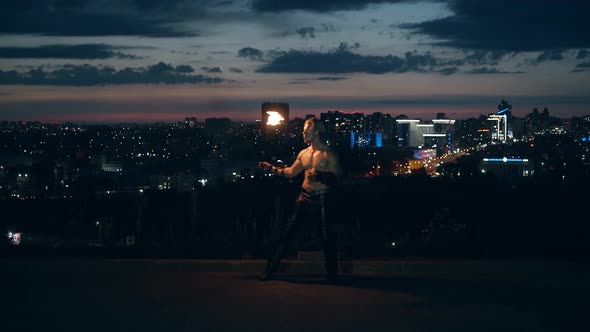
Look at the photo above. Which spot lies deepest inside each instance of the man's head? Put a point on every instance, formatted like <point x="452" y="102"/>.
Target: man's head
<point x="313" y="129"/>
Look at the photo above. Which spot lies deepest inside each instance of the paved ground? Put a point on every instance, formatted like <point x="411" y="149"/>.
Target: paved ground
<point x="140" y="295"/>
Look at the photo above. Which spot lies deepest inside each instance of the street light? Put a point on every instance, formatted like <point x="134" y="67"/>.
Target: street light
<point x="99" y="231"/>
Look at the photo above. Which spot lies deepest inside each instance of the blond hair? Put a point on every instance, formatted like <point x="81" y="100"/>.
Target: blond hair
<point x="317" y="124"/>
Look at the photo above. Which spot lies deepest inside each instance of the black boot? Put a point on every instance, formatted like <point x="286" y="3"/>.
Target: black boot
<point x="333" y="278"/>
<point x="269" y="272"/>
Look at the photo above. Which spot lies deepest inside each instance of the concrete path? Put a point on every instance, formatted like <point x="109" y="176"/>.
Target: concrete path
<point x="188" y="295"/>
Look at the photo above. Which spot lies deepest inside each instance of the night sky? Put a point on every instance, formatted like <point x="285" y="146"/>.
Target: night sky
<point x="152" y="60"/>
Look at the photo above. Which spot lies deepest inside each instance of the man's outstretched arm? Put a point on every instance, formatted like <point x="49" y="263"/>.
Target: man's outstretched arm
<point x="288" y="172"/>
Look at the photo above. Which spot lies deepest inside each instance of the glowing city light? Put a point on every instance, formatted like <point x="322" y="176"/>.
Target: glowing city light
<point x="274" y="118"/>
<point x="14" y="238"/>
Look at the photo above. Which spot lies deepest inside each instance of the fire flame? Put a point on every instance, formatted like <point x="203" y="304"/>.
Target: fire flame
<point x="274" y="118"/>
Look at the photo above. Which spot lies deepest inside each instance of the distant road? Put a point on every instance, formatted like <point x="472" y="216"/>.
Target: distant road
<point x="431" y="165"/>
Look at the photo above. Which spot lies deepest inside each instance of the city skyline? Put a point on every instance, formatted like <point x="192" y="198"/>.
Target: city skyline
<point x="138" y="61"/>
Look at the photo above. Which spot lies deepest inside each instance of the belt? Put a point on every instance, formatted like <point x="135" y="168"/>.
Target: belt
<point x="315" y="193"/>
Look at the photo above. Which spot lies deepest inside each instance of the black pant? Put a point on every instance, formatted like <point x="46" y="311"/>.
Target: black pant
<point x="308" y="205"/>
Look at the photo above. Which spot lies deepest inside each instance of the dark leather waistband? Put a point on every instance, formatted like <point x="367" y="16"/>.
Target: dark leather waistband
<point x="315" y="193"/>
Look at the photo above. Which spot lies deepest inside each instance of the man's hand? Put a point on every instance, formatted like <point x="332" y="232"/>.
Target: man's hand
<point x="265" y="165"/>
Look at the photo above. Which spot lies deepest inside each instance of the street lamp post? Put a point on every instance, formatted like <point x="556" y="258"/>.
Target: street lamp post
<point x="99" y="231"/>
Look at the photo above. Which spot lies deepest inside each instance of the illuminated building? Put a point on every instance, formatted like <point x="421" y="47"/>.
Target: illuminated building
<point x="419" y="134"/>
<point x="507" y="169"/>
<point x="500" y="128"/>
<point x="413" y="134"/>
<point x="442" y="136"/>
<point x="404" y="127"/>
<point x="217" y="126"/>
<point x="107" y="164"/>
<point x="24" y="184"/>
<point x="190" y="122"/>
<point x="380" y="123"/>
<point x="340" y="125"/>
<point x="366" y="140"/>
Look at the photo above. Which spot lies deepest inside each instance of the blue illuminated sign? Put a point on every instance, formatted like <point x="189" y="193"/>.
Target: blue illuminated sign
<point x="506" y="160"/>
<point x="504" y="110"/>
<point x="366" y="140"/>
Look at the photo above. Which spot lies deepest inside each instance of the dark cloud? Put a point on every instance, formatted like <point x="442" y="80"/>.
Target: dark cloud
<point x="415" y="60"/>
<point x="331" y="78"/>
<point x="151" y="5"/>
<point x="235" y="70"/>
<point x="342" y="61"/>
<point x="250" y="53"/>
<point x="344" y="46"/>
<point x="87" y="75"/>
<point x="321" y="78"/>
<point x="550" y="55"/>
<point x="160" y="68"/>
<point x="514" y="26"/>
<point x="84" y="51"/>
<point x="486" y="70"/>
<point x="153" y="18"/>
<point x="483" y="57"/>
<point x="582" y="54"/>
<point x="306" y="32"/>
<point x="314" y="5"/>
<point x="212" y="69"/>
<point x="185" y="69"/>
<point x="328" y="27"/>
<point x="580" y="67"/>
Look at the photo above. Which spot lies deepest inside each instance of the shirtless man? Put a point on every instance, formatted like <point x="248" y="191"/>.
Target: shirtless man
<point x="322" y="169"/>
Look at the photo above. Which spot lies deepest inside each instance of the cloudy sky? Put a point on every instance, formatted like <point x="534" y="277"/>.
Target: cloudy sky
<point x="164" y="60"/>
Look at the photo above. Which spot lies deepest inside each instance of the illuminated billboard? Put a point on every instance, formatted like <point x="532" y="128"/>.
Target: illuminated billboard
<point x="423" y="154"/>
<point x="366" y="140"/>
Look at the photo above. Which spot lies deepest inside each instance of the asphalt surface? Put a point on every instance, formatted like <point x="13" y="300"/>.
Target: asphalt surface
<point x="143" y="295"/>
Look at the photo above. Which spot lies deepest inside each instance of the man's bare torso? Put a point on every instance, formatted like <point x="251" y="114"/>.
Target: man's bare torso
<point x="315" y="161"/>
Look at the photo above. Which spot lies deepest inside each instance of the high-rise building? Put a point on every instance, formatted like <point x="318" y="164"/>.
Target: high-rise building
<point x="190" y="122"/>
<point x="380" y="123"/>
<point x="507" y="169"/>
<point x="340" y="125"/>
<point x="404" y="128"/>
<point x="411" y="133"/>
<point x="419" y="134"/>
<point x="500" y="127"/>
<point x="217" y="126"/>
